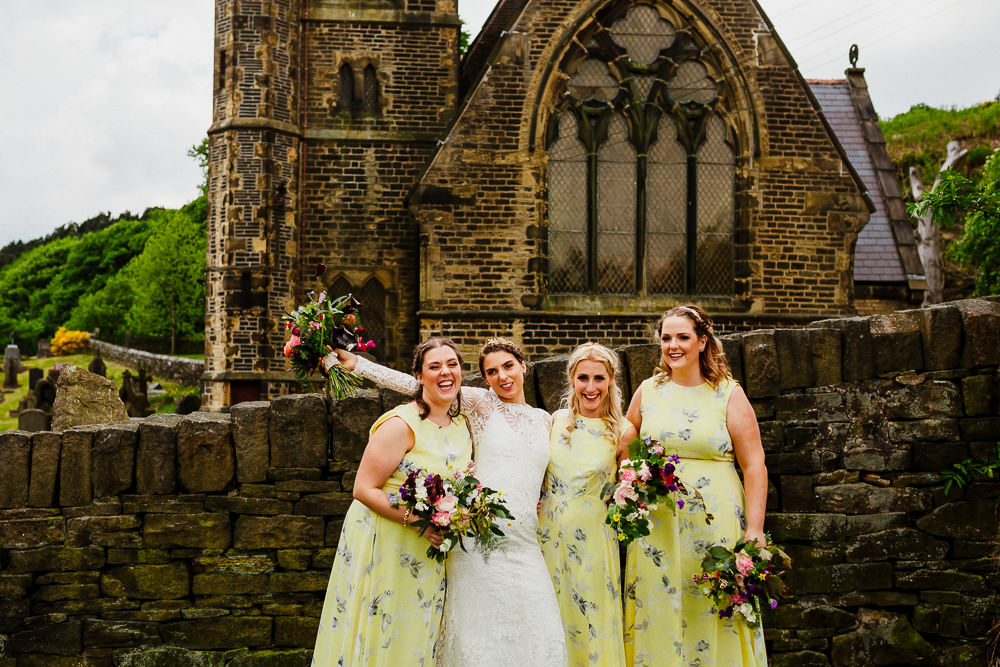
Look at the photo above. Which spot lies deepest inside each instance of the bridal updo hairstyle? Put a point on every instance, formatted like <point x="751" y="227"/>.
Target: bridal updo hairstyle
<point x="499" y="345"/>
<point x="419" y="352"/>
<point x="712" y="360"/>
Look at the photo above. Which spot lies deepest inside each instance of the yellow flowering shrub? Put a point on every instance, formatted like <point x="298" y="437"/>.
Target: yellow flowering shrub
<point x="69" y="342"/>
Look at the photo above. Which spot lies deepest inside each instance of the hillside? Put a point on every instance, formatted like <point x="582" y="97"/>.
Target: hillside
<point x="919" y="136"/>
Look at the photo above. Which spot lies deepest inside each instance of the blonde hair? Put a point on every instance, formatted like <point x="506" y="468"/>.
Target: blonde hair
<point x="611" y="406"/>
<point x="712" y="360"/>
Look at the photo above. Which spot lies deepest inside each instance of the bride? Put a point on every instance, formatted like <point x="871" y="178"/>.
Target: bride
<point x="500" y="608"/>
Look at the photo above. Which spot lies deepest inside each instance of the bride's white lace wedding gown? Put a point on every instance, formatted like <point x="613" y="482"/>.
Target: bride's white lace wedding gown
<point x="499" y="610"/>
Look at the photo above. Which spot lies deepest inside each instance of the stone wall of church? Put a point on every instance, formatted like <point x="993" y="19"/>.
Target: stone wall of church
<point x="208" y="539"/>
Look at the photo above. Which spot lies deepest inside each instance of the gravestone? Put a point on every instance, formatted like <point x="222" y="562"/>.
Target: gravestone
<point x="45" y="394"/>
<point x="44" y="348"/>
<point x="187" y="404"/>
<point x="13" y="352"/>
<point x="97" y="365"/>
<point x="85" y="398"/>
<point x="133" y="394"/>
<point x="34" y="375"/>
<point x="10" y="369"/>
<point x="33" y="420"/>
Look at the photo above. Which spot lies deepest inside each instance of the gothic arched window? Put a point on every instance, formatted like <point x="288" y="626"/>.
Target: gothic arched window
<point x="370" y="97"/>
<point x="641" y="165"/>
<point x="345" y="88"/>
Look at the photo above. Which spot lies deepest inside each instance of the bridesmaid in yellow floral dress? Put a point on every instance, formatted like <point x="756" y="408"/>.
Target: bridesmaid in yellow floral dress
<point x="384" y="600"/>
<point x="695" y="410"/>
<point x="579" y="548"/>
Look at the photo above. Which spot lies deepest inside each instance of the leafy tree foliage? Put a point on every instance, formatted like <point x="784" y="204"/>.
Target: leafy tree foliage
<point x="976" y="205"/>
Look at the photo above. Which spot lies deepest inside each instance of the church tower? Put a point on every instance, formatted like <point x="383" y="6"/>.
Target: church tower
<point x="325" y="113"/>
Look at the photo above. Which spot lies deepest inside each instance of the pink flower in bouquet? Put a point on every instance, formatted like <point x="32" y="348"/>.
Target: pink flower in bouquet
<point x="290" y="346"/>
<point x="441" y="518"/>
<point x="315" y="325"/>
<point x="627" y="475"/>
<point x="744" y="563"/>
<point x="446" y="503"/>
<point x="736" y="598"/>
<point x="623" y="493"/>
<point x="644" y="473"/>
<point x="657" y="449"/>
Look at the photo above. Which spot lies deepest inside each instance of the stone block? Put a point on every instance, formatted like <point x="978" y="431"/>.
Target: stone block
<point x="794" y="350"/>
<point x="823" y="407"/>
<point x="119" y="634"/>
<point x="65" y="638"/>
<point x="979" y="395"/>
<point x="298" y="582"/>
<point x="980" y="323"/>
<point x="84" y="398"/>
<point x="301" y="657"/>
<point x="876" y="460"/>
<point x="800" y="659"/>
<point x="295" y="630"/>
<point x="223" y="632"/>
<point x="826" y="347"/>
<point x="897" y="343"/>
<point x="278" y="532"/>
<point x="857" y="353"/>
<point x="250" y="440"/>
<point x="14" y="586"/>
<point x="324" y="504"/>
<point x="156" y="459"/>
<point x="825" y="616"/>
<point x="927" y="430"/>
<point x="195" y="531"/>
<point x="242" y="505"/>
<point x="896" y="544"/>
<point x="731" y="348"/>
<point x="550" y="377"/>
<point x="350" y="421"/>
<point x="45" y="448"/>
<point x="113" y="459"/>
<point x="299" y="431"/>
<point x="55" y="558"/>
<point x="979" y="520"/>
<point x="805" y="526"/>
<point x="760" y="363"/>
<point x="948" y="580"/>
<point x="941" y="336"/>
<point x="772" y="436"/>
<point x="30" y="533"/>
<point x="883" y="638"/>
<point x="641" y="361"/>
<point x="935" y="398"/>
<point x="800" y="462"/>
<point x="146" y="582"/>
<point x="981" y="428"/>
<point x="936" y="456"/>
<point x="205" y="460"/>
<point x="75" y="488"/>
<point x="167" y="656"/>
<point x="797" y="493"/>
<point x="229" y="584"/>
<point x="15" y="464"/>
<point x="859" y="524"/>
<point x="855" y="498"/>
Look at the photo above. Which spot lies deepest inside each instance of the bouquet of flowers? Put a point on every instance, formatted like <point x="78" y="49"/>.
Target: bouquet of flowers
<point x="742" y="580"/>
<point x="458" y="506"/>
<point x="319" y="323"/>
<point x="645" y="478"/>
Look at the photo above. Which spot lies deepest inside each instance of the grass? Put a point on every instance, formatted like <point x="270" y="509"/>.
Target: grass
<point x="161" y="403"/>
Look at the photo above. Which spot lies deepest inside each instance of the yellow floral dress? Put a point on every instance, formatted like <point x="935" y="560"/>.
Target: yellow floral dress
<point x="579" y="548"/>
<point x="384" y="600"/>
<point x="668" y="621"/>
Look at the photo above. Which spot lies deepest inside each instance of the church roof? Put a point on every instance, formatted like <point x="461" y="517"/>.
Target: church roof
<point x="886" y="247"/>
<point x="477" y="58"/>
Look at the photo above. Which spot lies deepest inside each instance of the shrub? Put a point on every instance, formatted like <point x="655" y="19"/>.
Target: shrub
<point x="69" y="342"/>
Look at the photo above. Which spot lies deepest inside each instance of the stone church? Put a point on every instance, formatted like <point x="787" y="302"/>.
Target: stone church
<point x="585" y="165"/>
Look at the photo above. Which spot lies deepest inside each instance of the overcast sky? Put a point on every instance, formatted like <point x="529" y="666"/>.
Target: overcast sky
<point x="102" y="98"/>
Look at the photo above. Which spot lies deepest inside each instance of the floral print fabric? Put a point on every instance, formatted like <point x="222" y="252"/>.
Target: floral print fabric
<point x="667" y="619"/>
<point x="385" y="597"/>
<point x="579" y="548"/>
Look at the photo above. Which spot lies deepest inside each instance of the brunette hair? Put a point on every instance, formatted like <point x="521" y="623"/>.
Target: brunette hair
<point x="499" y="345"/>
<point x="712" y="360"/>
<point x="419" y="352"/>
<point x="612" y="405"/>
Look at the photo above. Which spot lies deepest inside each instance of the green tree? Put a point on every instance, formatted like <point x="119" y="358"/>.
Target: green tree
<point x="200" y="153"/>
<point x="166" y="278"/>
<point x="106" y="309"/>
<point x="976" y="205"/>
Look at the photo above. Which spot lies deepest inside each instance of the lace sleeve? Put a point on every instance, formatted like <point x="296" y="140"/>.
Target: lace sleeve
<point x="386" y="377"/>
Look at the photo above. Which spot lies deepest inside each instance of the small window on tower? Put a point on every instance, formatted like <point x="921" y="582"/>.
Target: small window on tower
<point x="345" y="88"/>
<point x="370" y="103"/>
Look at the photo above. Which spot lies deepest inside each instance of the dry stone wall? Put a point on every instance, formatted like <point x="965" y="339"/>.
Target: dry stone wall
<point x="207" y="539"/>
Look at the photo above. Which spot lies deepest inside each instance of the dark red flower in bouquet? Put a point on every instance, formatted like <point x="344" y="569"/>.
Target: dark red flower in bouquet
<point x="320" y="269"/>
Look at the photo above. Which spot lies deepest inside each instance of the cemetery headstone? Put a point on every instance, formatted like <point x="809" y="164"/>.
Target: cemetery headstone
<point x="187" y="404"/>
<point x="34" y="375"/>
<point x="44" y="348"/>
<point x="85" y="398"/>
<point x="97" y="365"/>
<point x="10" y="369"/>
<point x="45" y="394"/>
<point x="34" y="420"/>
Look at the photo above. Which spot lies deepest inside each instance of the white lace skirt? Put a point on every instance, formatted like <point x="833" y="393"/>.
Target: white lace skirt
<point x="501" y="611"/>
